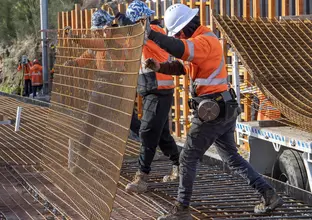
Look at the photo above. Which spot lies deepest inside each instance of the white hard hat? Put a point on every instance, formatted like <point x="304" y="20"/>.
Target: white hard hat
<point x="177" y="16"/>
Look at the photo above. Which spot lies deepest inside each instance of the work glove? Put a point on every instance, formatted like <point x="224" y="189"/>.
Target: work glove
<point x="152" y="64"/>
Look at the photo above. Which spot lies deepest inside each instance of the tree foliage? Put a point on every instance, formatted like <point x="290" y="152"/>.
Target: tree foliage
<point x="20" y="18"/>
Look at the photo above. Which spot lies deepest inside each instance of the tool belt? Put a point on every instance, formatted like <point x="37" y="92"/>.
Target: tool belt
<point x="214" y="106"/>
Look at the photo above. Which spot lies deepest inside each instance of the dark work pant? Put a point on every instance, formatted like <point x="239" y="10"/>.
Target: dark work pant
<point x="35" y="89"/>
<point x="135" y="123"/>
<point x="200" y="137"/>
<point x="155" y="131"/>
<point x="27" y="87"/>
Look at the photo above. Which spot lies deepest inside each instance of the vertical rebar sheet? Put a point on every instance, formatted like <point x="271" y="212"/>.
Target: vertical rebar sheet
<point x="91" y="106"/>
<point x="277" y="54"/>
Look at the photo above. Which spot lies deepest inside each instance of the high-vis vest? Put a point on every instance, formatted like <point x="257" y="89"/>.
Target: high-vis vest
<point x="36" y="75"/>
<point x="151" y="50"/>
<point x="26" y="70"/>
<point x="206" y="63"/>
<point x="266" y="110"/>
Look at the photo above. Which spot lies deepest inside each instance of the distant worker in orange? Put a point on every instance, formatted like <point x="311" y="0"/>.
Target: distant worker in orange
<point x="36" y="77"/>
<point x="25" y="65"/>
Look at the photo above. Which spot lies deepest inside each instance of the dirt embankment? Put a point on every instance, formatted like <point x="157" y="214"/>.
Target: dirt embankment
<point x="10" y="55"/>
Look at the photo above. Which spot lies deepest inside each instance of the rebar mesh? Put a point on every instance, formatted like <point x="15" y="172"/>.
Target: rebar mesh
<point x="277" y="54"/>
<point x="88" y="124"/>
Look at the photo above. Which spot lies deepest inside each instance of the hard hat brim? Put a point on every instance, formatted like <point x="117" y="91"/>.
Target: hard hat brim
<point x="181" y="26"/>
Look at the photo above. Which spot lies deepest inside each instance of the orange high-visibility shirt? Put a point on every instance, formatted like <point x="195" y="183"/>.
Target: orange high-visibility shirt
<point x="27" y="68"/>
<point x="206" y="63"/>
<point x="103" y="56"/>
<point x="36" y="75"/>
<point x="152" y="50"/>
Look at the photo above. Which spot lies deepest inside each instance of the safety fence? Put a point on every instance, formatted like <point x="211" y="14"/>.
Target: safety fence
<point x="80" y="21"/>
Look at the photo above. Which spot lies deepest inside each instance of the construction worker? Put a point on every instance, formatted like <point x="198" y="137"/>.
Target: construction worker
<point x="36" y="77"/>
<point x="122" y="21"/>
<point x="157" y="91"/>
<point x="215" y="108"/>
<point x="25" y="65"/>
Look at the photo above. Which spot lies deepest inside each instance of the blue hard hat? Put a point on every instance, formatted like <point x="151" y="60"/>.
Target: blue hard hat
<point x="100" y="19"/>
<point x="138" y="10"/>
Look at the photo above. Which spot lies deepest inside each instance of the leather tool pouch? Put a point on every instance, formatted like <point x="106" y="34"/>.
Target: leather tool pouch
<point x="147" y="83"/>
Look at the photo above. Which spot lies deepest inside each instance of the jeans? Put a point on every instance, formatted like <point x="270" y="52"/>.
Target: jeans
<point x="155" y="131"/>
<point x="200" y="137"/>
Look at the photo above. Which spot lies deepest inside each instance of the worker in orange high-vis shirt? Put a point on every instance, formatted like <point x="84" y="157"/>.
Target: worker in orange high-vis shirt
<point x="157" y="91"/>
<point x="36" y="77"/>
<point x="214" y="105"/>
<point x="25" y="67"/>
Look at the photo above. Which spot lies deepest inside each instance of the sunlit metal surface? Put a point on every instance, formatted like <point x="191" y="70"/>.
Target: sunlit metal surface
<point x="277" y="54"/>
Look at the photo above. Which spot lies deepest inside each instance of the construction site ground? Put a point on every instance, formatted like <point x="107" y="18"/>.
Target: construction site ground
<point x="217" y="195"/>
<point x="26" y="193"/>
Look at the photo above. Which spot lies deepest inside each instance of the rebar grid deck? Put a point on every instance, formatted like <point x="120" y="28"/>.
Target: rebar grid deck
<point x="277" y="54"/>
<point x="217" y="193"/>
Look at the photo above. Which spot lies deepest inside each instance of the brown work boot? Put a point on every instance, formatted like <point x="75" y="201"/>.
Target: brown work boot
<point x="75" y="160"/>
<point x="139" y="183"/>
<point x="174" y="175"/>
<point x="179" y="212"/>
<point x="269" y="201"/>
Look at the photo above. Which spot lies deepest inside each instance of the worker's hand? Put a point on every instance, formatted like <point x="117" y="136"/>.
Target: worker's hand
<point x="70" y="63"/>
<point x="152" y="64"/>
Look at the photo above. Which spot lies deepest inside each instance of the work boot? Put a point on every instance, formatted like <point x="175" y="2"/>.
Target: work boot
<point x="269" y="201"/>
<point x="174" y="175"/>
<point x="75" y="161"/>
<point x="139" y="183"/>
<point x="157" y="156"/>
<point x="178" y="212"/>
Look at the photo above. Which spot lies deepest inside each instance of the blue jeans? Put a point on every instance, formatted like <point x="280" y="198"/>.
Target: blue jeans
<point x="200" y="137"/>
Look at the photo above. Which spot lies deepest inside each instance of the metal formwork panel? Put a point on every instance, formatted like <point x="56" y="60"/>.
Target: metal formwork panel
<point x="91" y="106"/>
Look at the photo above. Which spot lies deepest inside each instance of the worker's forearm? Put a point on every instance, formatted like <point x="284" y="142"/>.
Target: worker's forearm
<point x="172" y="68"/>
<point x="172" y="45"/>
